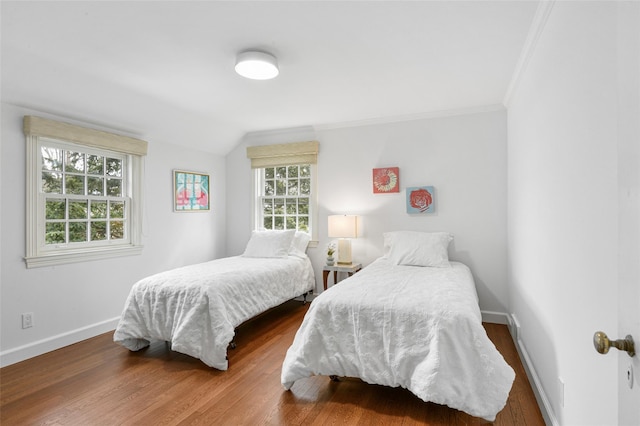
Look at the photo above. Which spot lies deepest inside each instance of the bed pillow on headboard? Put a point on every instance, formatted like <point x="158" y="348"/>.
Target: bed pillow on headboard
<point x="418" y="248"/>
<point x="299" y="244"/>
<point x="269" y="244"/>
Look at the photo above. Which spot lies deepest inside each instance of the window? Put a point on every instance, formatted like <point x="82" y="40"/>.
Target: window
<point x="83" y="199"/>
<point x="284" y="199"/>
<point x="83" y="195"/>
<point x="284" y="186"/>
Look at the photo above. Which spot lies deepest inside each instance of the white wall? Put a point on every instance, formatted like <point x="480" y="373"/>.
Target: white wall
<point x="76" y="301"/>
<point x="562" y="209"/>
<point x="462" y="156"/>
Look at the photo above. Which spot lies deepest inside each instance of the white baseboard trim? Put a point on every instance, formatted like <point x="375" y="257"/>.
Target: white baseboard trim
<point x="49" y="344"/>
<point x="514" y="329"/>
<point x="495" y="317"/>
<point x="309" y="298"/>
<point x="534" y="379"/>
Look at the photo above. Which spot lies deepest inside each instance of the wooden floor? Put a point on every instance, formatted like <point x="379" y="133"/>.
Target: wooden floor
<point x="97" y="382"/>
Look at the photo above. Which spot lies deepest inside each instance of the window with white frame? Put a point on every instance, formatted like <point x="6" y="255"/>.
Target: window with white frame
<point x="284" y="201"/>
<point x="84" y="190"/>
<point x="285" y="186"/>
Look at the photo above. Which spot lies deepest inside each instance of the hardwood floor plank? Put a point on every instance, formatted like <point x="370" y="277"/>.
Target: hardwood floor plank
<point x="297" y="405"/>
<point x="97" y="382"/>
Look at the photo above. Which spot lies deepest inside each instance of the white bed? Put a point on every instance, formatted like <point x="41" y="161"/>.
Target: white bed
<point x="197" y="308"/>
<point x="411" y="326"/>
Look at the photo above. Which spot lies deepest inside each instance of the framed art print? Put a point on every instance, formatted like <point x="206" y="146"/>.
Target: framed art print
<point x="386" y="180"/>
<point x="420" y="199"/>
<point x="190" y="191"/>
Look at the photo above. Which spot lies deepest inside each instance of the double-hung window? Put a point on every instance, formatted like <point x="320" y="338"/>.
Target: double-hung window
<point x="285" y="186"/>
<point x="285" y="197"/>
<point x="83" y="193"/>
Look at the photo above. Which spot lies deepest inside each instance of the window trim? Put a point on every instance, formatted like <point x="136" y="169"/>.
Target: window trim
<point x="288" y="154"/>
<point x="36" y="129"/>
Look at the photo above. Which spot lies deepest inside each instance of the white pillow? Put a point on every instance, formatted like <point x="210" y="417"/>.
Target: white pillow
<point x="299" y="244"/>
<point x="269" y="244"/>
<point x="418" y="248"/>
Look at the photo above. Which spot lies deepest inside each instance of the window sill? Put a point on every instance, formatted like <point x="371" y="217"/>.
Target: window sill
<point x="62" y="258"/>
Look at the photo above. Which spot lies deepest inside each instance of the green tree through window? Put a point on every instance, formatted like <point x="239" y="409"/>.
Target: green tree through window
<point x="83" y="195"/>
<point x="285" y="196"/>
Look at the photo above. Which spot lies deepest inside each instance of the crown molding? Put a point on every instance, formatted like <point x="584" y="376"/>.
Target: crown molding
<point x="258" y="134"/>
<point x="537" y="26"/>
<point x="312" y="129"/>
<point x="411" y="117"/>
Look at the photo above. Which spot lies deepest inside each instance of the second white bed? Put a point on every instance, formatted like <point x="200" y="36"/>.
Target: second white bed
<point x="415" y="327"/>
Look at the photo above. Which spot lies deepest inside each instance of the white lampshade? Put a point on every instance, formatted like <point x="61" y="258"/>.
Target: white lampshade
<point x="257" y="65"/>
<point x="343" y="227"/>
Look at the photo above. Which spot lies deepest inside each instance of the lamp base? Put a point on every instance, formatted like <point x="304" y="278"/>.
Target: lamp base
<point x="344" y="252"/>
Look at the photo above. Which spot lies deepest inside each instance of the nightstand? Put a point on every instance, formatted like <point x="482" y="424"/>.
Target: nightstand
<point x="349" y="269"/>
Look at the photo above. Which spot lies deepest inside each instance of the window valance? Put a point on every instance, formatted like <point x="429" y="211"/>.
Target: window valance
<point x="283" y="154"/>
<point x="37" y="126"/>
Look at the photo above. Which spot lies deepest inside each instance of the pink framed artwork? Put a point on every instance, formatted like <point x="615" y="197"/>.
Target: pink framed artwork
<point x="386" y="180"/>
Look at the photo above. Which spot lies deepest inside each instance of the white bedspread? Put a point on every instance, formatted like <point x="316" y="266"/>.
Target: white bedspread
<point x="415" y="327"/>
<point x="197" y="307"/>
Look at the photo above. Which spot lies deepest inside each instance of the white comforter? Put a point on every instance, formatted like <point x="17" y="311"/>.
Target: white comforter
<point x="415" y="327"/>
<point x="197" y="307"/>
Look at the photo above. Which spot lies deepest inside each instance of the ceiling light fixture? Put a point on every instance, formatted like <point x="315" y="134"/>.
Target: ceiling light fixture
<point x="257" y="65"/>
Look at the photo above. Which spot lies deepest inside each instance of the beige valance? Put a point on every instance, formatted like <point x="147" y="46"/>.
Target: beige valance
<point x="37" y="126"/>
<point x="283" y="154"/>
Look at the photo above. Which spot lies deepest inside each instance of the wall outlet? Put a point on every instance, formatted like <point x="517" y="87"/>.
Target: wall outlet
<point x="27" y="320"/>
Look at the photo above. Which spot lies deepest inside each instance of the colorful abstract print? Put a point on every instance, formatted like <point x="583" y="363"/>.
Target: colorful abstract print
<point x="192" y="191"/>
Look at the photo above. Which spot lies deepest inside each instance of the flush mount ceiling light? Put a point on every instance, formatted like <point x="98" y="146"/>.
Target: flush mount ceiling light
<point x="257" y="65"/>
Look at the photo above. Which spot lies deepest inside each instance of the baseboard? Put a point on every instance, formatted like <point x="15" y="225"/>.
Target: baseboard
<point x="495" y="317"/>
<point x="309" y="297"/>
<point x="49" y="344"/>
<point x="534" y="379"/>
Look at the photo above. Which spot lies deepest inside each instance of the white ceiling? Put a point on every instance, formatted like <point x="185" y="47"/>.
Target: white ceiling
<point x="165" y="70"/>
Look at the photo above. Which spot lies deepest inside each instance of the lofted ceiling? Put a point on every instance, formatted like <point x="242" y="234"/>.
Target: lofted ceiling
<point x="165" y="70"/>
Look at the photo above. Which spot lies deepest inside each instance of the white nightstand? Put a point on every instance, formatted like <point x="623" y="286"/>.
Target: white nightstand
<point x="349" y="269"/>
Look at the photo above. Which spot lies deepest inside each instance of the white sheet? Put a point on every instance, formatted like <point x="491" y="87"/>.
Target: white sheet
<point x="197" y="307"/>
<point x="415" y="327"/>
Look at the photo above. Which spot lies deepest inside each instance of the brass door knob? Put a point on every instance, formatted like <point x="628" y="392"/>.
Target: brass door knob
<point x="602" y="343"/>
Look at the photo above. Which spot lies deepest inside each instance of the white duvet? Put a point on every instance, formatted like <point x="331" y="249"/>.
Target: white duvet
<point x="198" y="307"/>
<point x="415" y="327"/>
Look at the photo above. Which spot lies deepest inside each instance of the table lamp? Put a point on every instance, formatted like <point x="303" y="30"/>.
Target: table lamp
<point x="343" y="227"/>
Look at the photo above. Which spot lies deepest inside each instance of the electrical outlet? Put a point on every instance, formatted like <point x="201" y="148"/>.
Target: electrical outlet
<point x="27" y="320"/>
